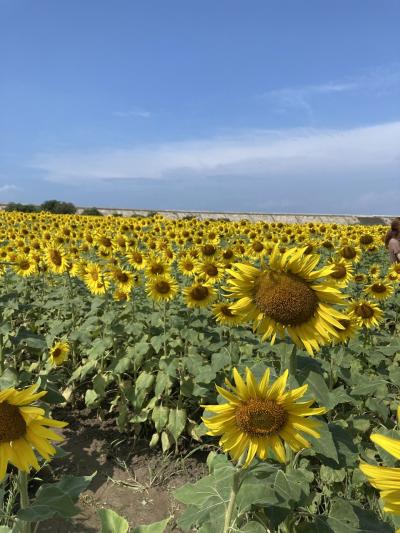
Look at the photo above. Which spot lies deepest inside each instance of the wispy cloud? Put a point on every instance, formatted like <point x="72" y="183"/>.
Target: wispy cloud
<point x="8" y="188"/>
<point x="378" y="81"/>
<point x="352" y="153"/>
<point x="136" y="112"/>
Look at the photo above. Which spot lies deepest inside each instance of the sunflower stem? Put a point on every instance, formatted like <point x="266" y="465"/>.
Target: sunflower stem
<point x="25" y="527"/>
<point x="1" y="356"/>
<point x="234" y="490"/>
<point x="165" y="328"/>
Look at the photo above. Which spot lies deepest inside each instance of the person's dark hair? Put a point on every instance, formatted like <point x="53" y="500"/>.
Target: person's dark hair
<point x="394" y="232"/>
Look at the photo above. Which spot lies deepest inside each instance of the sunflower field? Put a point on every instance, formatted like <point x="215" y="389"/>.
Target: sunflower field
<point x="274" y="347"/>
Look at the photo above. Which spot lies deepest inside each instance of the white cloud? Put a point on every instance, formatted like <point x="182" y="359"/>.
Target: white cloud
<point x="8" y="188"/>
<point x="141" y="113"/>
<point x="378" y="81"/>
<point x="357" y="153"/>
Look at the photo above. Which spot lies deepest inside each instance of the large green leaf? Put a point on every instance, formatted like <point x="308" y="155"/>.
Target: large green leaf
<point x="111" y="522"/>
<point x="347" y="518"/>
<point x="56" y="499"/>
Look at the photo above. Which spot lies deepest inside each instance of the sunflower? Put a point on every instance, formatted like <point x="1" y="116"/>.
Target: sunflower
<point x="56" y="259"/>
<point x="156" y="266"/>
<point x="23" y="427"/>
<point x="366" y="239"/>
<point x="366" y="313"/>
<point x="350" y="253"/>
<point x="359" y="278"/>
<point x="210" y="270"/>
<point x="350" y="328"/>
<point x="257" y="249"/>
<point x="380" y="289"/>
<point x="259" y="417"/>
<point x="162" y="288"/>
<point x="123" y="278"/>
<point x="343" y="271"/>
<point x="187" y="265"/>
<point x="59" y="353"/>
<point x="25" y="265"/>
<point x="199" y="295"/>
<point x="94" y="279"/>
<point x="288" y="295"/>
<point x="375" y="270"/>
<point x="224" y="315"/>
<point x="385" y="479"/>
<point x="120" y="295"/>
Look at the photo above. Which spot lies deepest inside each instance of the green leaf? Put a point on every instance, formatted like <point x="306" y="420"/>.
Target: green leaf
<point x="122" y="365"/>
<point x="162" y="383"/>
<point x="165" y="441"/>
<point x="8" y="379"/>
<point x="99" y="385"/>
<point x="176" y="422"/>
<point x="157" y="342"/>
<point x="325" y="445"/>
<point x="347" y="518"/>
<point x="220" y="360"/>
<point x="155" y="527"/>
<point x="91" y="398"/>
<point x="144" y="381"/>
<point x="111" y="522"/>
<point x="160" y="417"/>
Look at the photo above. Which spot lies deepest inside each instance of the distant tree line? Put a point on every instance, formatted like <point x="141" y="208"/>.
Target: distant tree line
<point x="52" y="206"/>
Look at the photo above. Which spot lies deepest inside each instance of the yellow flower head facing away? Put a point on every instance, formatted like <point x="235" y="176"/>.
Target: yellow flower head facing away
<point x="385" y="479"/>
<point x="259" y="417"/>
<point x="23" y="427"/>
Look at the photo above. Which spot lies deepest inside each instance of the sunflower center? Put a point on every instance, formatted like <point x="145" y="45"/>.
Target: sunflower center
<point x="57" y="352"/>
<point x="258" y="246"/>
<point x="12" y="423"/>
<point x="163" y="287"/>
<point x="228" y="254"/>
<point x="199" y="293"/>
<point x="348" y="252"/>
<point x="339" y="272"/>
<point x="365" y="311"/>
<point x="226" y="311"/>
<point x="209" y="249"/>
<point x="366" y="239"/>
<point x="56" y="257"/>
<point x="211" y="270"/>
<point x="157" y="269"/>
<point x="24" y="264"/>
<point x="260" y="418"/>
<point x="285" y="298"/>
<point x="122" y="277"/>
<point x="379" y="288"/>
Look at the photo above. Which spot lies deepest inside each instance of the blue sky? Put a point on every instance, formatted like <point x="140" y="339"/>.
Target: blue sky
<point x="233" y="105"/>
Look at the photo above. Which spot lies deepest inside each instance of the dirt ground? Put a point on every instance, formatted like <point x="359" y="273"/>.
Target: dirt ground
<point x="133" y="480"/>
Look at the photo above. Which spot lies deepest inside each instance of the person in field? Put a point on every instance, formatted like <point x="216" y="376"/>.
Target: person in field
<point x="392" y="241"/>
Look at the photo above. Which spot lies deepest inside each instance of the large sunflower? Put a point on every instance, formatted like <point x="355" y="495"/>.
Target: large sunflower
<point x="289" y="295"/>
<point x="259" y="417"/>
<point x="385" y="479"/>
<point x="23" y="427"/>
